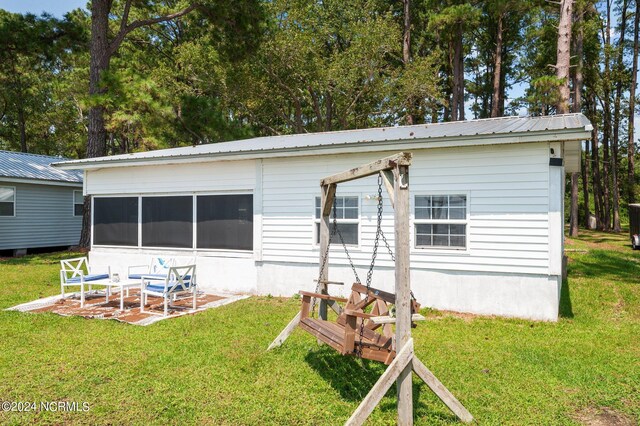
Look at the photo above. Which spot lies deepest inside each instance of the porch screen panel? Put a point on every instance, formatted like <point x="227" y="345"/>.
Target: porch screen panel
<point x="225" y="221"/>
<point x="115" y="221"/>
<point x="167" y="221"/>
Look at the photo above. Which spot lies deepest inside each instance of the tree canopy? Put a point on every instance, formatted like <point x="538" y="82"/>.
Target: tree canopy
<point x="174" y="73"/>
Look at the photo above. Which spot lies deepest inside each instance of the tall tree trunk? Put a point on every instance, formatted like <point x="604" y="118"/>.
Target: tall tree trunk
<point x="23" y="128"/>
<point x="585" y="185"/>
<point x="563" y="64"/>
<point x="460" y="75"/>
<point x="616" y="121"/>
<point x="596" y="183"/>
<point x="328" y="121"/>
<point x="457" y="104"/>
<point x="563" y="54"/>
<point x="497" y="70"/>
<point x="631" y="142"/>
<point x="573" y="214"/>
<point x="503" y="83"/>
<point x="577" y="107"/>
<point x="447" y="114"/>
<point x="606" y="130"/>
<point x="99" y="63"/>
<point x="598" y="195"/>
<point x="406" y="55"/>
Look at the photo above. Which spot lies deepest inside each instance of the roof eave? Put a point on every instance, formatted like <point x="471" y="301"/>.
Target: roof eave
<point x="563" y="135"/>
<point x="33" y="181"/>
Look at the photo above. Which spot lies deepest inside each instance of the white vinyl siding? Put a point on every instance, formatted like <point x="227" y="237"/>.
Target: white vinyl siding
<point x="173" y="178"/>
<point x="506" y="186"/>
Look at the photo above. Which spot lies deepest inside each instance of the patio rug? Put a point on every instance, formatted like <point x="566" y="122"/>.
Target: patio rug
<point x="96" y="306"/>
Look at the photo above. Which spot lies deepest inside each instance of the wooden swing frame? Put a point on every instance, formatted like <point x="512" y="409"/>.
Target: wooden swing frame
<point x="395" y="175"/>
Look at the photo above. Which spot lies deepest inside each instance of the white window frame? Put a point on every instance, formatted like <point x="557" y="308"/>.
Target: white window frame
<point x="73" y="205"/>
<point x="357" y="221"/>
<point x="465" y="221"/>
<point x="13" y="188"/>
<point x="194" y="195"/>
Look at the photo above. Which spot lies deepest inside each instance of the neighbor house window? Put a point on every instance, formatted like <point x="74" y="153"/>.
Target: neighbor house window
<point x="441" y="221"/>
<point x="167" y="221"/>
<point x="347" y="218"/>
<point x="78" y="203"/>
<point x="225" y="222"/>
<point x="7" y="201"/>
<point x="115" y="221"/>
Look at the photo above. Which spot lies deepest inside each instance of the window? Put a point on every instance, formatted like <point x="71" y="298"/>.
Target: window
<point x="347" y="216"/>
<point x="7" y="201"/>
<point x="441" y="221"/>
<point x="115" y="221"/>
<point x="225" y="222"/>
<point x="167" y="221"/>
<point x="78" y="203"/>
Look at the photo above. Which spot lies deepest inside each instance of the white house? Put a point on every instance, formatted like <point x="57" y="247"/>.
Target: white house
<point x="486" y="210"/>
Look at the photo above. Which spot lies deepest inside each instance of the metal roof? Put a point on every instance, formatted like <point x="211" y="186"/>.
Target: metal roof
<point x="511" y="129"/>
<point x="19" y="165"/>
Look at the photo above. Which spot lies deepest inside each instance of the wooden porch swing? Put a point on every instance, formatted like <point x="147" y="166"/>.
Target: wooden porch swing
<point x="353" y="321"/>
<point x="375" y="337"/>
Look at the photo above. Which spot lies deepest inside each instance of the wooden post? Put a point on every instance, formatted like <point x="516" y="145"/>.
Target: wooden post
<point x="403" y="289"/>
<point x="326" y="205"/>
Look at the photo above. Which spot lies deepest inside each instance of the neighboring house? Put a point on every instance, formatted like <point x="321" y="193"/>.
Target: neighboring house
<point x="40" y="206"/>
<point x="486" y="210"/>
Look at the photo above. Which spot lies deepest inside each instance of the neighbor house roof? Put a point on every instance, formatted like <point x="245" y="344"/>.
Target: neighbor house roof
<point x="567" y="127"/>
<point x="19" y="166"/>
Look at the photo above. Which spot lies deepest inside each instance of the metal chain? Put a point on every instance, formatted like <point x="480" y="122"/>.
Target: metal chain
<point x="393" y="257"/>
<point x="376" y="243"/>
<point x="334" y="231"/>
<point x="325" y="258"/>
<point x="346" y="252"/>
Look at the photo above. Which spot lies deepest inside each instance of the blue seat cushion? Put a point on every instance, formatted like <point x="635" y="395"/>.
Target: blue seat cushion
<point x="158" y="276"/>
<point x="139" y="276"/>
<point x="159" y="288"/>
<point x="90" y="277"/>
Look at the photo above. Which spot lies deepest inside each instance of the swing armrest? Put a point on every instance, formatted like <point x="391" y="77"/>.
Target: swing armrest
<point x="323" y="296"/>
<point x="392" y="320"/>
<point x="352" y="313"/>
<point x="330" y="282"/>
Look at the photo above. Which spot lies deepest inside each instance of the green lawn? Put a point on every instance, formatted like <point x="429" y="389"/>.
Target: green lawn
<point x="211" y="368"/>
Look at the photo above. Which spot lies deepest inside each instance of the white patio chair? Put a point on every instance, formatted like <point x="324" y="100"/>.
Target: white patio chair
<point x="180" y="280"/>
<point x="76" y="272"/>
<point x="157" y="268"/>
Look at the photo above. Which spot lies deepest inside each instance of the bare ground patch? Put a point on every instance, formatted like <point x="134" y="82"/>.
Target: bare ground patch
<point x="603" y="416"/>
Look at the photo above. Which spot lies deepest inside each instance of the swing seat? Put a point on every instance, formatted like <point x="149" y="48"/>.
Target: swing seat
<point x="344" y="334"/>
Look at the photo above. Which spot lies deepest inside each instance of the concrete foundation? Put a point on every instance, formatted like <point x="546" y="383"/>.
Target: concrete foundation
<point x="510" y="295"/>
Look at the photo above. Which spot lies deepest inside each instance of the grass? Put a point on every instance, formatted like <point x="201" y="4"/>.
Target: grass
<point x="211" y="368"/>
